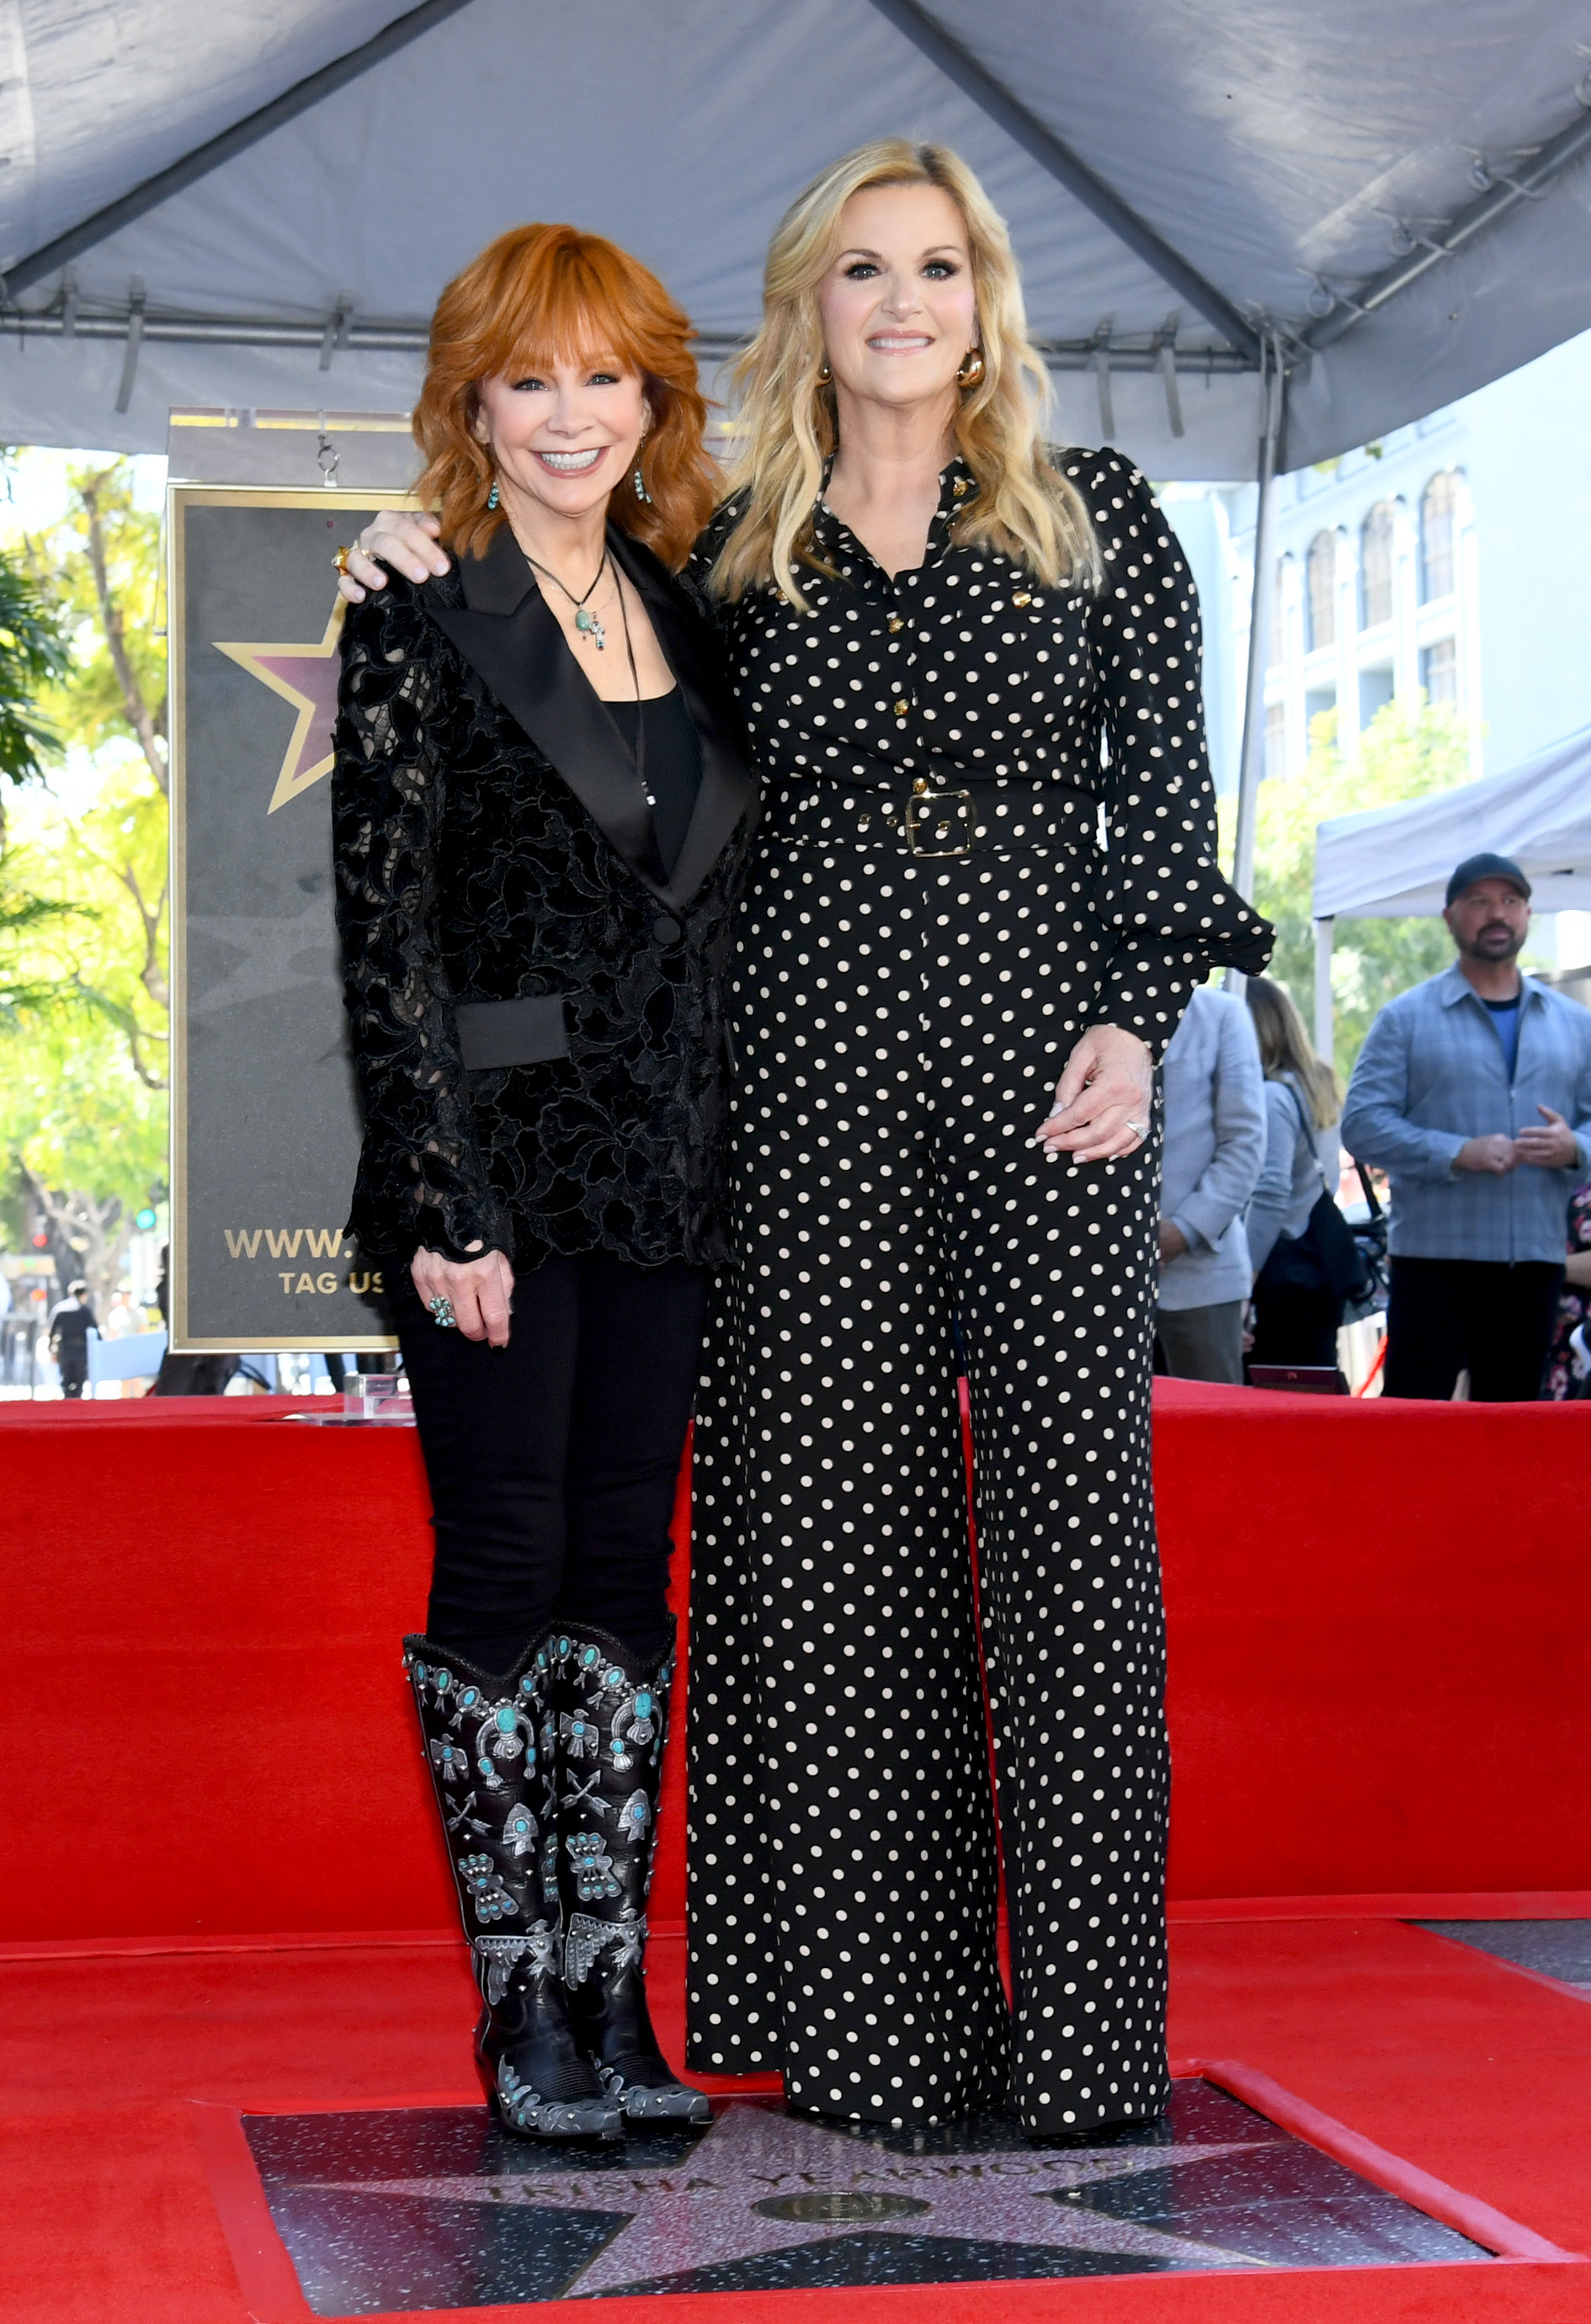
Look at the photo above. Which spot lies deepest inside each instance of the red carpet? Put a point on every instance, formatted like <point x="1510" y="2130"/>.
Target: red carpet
<point x="1459" y="2067"/>
<point x="1380" y="1664"/>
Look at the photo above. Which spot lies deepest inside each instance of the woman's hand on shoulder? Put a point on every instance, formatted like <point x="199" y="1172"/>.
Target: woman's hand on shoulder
<point x="407" y="543"/>
<point x="480" y="1291"/>
<point x="1103" y="1101"/>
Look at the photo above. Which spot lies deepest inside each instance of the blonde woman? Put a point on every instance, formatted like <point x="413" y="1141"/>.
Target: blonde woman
<point x="1293" y="1325"/>
<point x="949" y="1000"/>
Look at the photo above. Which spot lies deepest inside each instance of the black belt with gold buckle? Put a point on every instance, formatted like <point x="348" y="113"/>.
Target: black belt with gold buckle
<point x="931" y="818"/>
<point x="943" y="824"/>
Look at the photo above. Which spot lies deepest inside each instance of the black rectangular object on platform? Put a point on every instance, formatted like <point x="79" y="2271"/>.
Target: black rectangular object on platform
<point x="264" y="1115"/>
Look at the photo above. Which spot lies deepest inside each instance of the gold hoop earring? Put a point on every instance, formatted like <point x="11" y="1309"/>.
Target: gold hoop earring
<point x="972" y="368"/>
<point x="824" y="373"/>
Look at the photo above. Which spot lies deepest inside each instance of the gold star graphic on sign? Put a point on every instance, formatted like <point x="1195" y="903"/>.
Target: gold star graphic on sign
<point x="306" y="676"/>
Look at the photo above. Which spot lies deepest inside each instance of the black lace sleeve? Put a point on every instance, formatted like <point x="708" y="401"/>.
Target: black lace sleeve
<point x="421" y="1179"/>
<point x="1174" y="917"/>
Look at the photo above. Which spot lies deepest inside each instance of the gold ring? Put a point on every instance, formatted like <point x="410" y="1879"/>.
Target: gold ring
<point x="341" y="561"/>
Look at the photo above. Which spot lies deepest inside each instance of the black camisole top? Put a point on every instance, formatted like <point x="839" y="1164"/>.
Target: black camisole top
<point x="673" y="764"/>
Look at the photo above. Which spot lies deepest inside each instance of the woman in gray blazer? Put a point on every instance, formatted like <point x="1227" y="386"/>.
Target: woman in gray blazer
<point x="1302" y="1158"/>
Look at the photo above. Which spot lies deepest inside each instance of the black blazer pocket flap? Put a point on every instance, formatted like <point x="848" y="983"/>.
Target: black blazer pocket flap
<point x="493" y="1034"/>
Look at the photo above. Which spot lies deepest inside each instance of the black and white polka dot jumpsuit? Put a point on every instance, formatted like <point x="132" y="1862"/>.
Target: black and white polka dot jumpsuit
<point x="902" y="1019"/>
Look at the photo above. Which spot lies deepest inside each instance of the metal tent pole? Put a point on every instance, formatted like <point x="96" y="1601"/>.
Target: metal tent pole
<point x="1252" y="759"/>
<point x="1325" y="1022"/>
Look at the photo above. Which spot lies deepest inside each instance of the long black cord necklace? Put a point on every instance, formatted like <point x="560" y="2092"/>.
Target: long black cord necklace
<point x="589" y="625"/>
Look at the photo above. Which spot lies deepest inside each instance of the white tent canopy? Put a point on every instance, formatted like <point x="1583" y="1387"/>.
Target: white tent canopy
<point x="254" y="205"/>
<point x="1393" y="861"/>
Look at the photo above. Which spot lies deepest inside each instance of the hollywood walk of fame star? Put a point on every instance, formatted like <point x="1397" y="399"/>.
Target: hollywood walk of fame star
<point x="760" y="2180"/>
<point x="306" y="676"/>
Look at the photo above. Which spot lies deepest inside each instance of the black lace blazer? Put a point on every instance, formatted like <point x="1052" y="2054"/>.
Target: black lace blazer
<point x="493" y="845"/>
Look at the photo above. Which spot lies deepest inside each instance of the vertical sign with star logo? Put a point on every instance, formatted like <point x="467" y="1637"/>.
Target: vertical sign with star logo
<point x="265" y="1113"/>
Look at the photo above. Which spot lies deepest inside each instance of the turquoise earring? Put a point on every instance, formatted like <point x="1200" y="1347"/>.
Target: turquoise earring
<point x="492" y="497"/>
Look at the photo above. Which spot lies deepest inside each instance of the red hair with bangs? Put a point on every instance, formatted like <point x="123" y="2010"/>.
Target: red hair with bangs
<point x="541" y="293"/>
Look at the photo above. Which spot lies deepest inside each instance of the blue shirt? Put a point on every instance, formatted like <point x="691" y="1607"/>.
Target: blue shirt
<point x="1432" y="1075"/>
<point x="1504" y="1014"/>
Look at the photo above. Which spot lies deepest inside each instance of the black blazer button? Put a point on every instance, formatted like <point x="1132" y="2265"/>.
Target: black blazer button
<point x="666" y="928"/>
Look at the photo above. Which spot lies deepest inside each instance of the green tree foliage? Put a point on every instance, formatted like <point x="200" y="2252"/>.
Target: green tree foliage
<point x="83" y="902"/>
<point x="1401" y="757"/>
<point x="103" y="563"/>
<point x="35" y="652"/>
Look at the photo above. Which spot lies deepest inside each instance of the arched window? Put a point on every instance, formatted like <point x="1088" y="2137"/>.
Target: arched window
<point x="1375" y="567"/>
<point x="1321" y="591"/>
<point x="1438" y="511"/>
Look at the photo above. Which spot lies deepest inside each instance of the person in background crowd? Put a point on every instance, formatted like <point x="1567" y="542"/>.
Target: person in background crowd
<point x="1473" y="1092"/>
<point x="1303" y="1157"/>
<point x="1574" y="1301"/>
<point x="69" y="1326"/>
<point x="1215" y="1143"/>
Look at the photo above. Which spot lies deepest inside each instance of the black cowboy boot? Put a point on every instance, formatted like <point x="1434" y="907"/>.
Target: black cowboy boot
<point x="488" y="1743"/>
<point x="611" y="1720"/>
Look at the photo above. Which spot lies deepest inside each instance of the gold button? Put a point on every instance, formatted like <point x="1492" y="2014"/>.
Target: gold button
<point x="896" y="624"/>
<point x="960" y="486"/>
<point x="901" y="708"/>
<point x="1023" y="597"/>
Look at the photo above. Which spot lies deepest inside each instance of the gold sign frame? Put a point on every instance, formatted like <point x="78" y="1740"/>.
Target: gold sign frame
<point x="293" y="781"/>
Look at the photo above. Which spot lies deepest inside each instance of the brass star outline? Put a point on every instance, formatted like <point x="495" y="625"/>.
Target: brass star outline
<point x="315" y="700"/>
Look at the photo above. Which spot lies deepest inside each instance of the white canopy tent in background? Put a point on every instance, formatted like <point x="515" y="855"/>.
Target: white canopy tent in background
<point x="1254" y="232"/>
<point x="1391" y="861"/>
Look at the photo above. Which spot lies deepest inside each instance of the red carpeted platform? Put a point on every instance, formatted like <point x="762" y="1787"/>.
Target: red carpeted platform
<point x="1381" y="1664"/>
<point x="1380" y="1661"/>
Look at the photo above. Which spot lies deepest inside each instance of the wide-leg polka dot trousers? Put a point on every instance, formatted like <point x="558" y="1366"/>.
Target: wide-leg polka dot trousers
<point x="902" y="1022"/>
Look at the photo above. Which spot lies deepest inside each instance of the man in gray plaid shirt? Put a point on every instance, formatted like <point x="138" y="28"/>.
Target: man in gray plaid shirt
<point x="1473" y="1092"/>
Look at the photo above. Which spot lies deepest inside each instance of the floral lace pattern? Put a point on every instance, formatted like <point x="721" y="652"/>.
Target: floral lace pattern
<point x="467" y="870"/>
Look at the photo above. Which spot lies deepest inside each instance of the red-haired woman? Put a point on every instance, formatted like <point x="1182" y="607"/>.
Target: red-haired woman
<point x="543" y="805"/>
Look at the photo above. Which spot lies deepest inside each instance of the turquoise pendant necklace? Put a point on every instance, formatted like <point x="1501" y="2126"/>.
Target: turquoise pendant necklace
<point x="586" y="621"/>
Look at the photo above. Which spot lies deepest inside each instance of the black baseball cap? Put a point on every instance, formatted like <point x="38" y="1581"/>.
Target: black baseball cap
<point x="1487" y="867"/>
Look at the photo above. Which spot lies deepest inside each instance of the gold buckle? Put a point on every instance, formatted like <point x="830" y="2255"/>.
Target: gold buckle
<point x="938" y="814"/>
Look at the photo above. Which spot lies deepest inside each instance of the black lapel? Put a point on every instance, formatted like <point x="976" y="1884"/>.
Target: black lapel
<point x="693" y="652"/>
<point x="506" y="632"/>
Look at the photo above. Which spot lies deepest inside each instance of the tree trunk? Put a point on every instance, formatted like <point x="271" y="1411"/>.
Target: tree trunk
<point x="88" y="1239"/>
<point x="142" y="719"/>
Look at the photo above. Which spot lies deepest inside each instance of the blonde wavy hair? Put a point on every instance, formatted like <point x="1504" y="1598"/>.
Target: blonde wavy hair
<point x="786" y="413"/>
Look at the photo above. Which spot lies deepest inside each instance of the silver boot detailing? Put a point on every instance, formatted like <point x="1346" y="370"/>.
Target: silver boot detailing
<point x="485" y="1740"/>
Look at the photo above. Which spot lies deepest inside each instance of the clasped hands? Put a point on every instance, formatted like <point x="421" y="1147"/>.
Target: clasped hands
<point x="1553" y="1148"/>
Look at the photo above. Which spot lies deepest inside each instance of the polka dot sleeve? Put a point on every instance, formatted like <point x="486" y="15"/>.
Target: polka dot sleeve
<point x="1173" y="915"/>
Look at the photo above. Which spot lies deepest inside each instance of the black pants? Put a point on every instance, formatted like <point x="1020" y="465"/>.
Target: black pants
<point x="1447" y="1316"/>
<point x="1295" y="1327"/>
<point x="73" y="1365"/>
<point x="552" y="1461"/>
